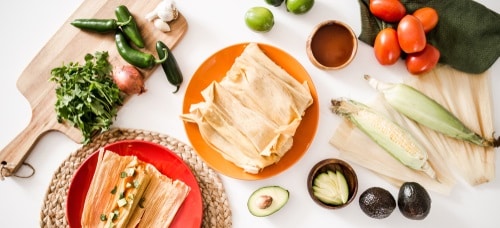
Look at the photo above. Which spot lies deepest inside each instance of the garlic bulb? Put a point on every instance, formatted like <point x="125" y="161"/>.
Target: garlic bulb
<point x="165" y="10"/>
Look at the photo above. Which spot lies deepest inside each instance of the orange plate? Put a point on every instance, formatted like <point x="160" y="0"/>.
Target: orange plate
<point x="215" y="68"/>
<point x="168" y="163"/>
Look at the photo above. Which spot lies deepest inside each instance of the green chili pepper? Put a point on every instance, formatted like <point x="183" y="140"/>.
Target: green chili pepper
<point x="170" y="66"/>
<point x="131" y="30"/>
<point x="99" y="25"/>
<point x="137" y="58"/>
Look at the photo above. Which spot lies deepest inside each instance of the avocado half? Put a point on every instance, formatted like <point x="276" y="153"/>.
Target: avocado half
<point x="267" y="200"/>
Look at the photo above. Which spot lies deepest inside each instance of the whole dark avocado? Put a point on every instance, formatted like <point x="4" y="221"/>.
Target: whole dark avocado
<point x="377" y="202"/>
<point x="414" y="201"/>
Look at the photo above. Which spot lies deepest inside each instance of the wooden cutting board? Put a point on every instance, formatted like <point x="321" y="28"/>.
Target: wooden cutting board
<point x="71" y="44"/>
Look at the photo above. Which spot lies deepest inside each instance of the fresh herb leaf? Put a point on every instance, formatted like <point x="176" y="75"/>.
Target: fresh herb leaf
<point x="141" y="202"/>
<point x="116" y="213"/>
<point x="86" y="94"/>
<point x="113" y="191"/>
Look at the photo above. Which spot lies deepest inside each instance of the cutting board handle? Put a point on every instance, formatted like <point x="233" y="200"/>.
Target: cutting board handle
<point x="14" y="154"/>
<point x="12" y="157"/>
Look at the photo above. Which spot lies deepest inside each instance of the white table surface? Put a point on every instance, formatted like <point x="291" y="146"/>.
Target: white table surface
<point x="28" y="25"/>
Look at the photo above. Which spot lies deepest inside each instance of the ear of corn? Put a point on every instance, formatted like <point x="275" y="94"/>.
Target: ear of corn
<point x="386" y="133"/>
<point x="424" y="110"/>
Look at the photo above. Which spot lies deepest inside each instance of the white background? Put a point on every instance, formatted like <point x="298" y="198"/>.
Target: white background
<point x="212" y="25"/>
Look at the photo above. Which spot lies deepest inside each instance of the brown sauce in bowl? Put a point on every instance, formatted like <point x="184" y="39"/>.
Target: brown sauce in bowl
<point x="333" y="45"/>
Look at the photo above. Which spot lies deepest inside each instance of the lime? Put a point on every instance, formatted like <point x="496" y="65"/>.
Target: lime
<point x="299" y="6"/>
<point x="274" y="2"/>
<point x="259" y="19"/>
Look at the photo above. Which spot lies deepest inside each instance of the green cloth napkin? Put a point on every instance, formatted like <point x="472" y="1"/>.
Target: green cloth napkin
<point x="467" y="34"/>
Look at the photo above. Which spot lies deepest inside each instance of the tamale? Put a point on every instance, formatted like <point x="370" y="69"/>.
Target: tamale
<point x="251" y="115"/>
<point x="127" y="192"/>
<point x="159" y="210"/>
<point x="99" y="194"/>
<point x="255" y="134"/>
<point x="262" y="85"/>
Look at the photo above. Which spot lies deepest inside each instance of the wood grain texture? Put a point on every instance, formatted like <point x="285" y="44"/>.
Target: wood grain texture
<point x="70" y="44"/>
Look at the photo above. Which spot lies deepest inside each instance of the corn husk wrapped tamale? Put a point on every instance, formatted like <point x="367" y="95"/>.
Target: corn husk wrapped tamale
<point x="159" y="210"/>
<point x="127" y="192"/>
<point x="251" y="115"/>
<point x="101" y="195"/>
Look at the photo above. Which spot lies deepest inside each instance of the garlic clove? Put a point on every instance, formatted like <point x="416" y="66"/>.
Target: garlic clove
<point x="161" y="25"/>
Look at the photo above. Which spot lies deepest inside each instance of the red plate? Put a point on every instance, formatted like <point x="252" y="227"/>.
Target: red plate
<point x="168" y="163"/>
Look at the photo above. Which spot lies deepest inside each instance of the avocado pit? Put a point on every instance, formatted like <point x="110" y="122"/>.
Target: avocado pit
<point x="264" y="201"/>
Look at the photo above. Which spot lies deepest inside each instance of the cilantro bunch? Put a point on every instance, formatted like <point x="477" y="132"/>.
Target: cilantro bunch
<point x="86" y="94"/>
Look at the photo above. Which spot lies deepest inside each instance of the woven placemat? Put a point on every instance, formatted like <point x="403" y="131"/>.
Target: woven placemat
<point x="216" y="211"/>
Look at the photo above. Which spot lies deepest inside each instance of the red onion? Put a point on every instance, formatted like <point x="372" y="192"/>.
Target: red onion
<point x="129" y="80"/>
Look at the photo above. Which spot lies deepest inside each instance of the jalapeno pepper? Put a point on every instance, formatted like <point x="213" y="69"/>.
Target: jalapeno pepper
<point x="99" y="25"/>
<point x="170" y="66"/>
<point x="131" y="30"/>
<point x="135" y="57"/>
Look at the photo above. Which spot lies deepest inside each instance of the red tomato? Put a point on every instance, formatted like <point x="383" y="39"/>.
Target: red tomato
<point x="386" y="46"/>
<point x="424" y="61"/>
<point x="428" y="16"/>
<point x="388" y="10"/>
<point x="411" y="35"/>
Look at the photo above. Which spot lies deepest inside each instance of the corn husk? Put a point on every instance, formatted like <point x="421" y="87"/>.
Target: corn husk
<point x="159" y="210"/>
<point x="99" y="199"/>
<point x="355" y="146"/>
<point x="468" y="97"/>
